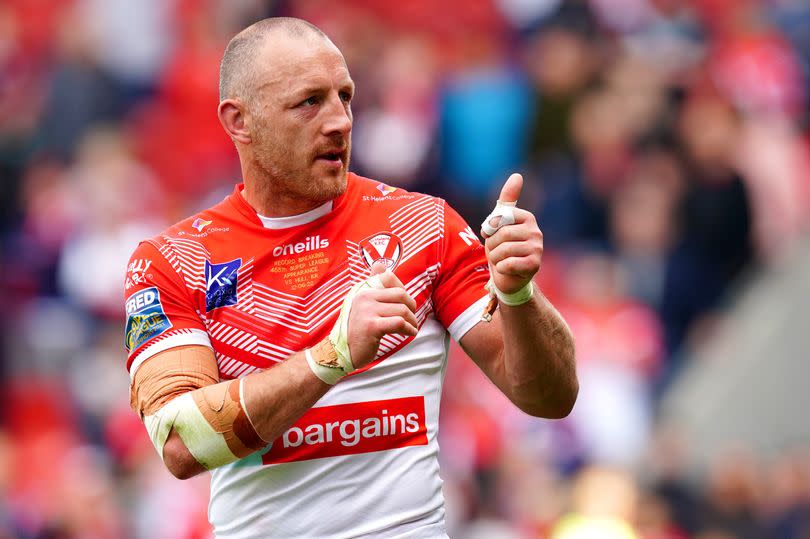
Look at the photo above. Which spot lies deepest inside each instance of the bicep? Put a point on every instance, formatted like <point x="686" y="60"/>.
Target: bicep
<point x="484" y="344"/>
<point x="171" y="373"/>
<point x="164" y="377"/>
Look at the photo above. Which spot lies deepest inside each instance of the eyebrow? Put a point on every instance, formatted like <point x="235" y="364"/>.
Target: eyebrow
<point x="309" y="89"/>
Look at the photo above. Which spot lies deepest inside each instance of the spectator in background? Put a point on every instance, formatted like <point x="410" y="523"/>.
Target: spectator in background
<point x="669" y="134"/>
<point x="619" y="347"/>
<point x="485" y="111"/>
<point x="596" y="515"/>
<point x="120" y="202"/>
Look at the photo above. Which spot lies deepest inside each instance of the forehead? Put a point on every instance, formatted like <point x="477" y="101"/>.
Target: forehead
<point x="286" y="64"/>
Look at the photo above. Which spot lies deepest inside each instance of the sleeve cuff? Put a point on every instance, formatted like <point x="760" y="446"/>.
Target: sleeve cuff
<point x="467" y="319"/>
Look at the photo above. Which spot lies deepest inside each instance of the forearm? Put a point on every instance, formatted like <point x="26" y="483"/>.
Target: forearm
<point x="273" y="400"/>
<point x="196" y="423"/>
<point x="538" y="359"/>
<point x="277" y="397"/>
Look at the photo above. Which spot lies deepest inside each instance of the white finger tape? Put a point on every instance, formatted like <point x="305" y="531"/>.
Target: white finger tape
<point x="506" y="212"/>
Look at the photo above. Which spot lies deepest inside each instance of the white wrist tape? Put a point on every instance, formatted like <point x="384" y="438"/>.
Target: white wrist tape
<point x="515" y="298"/>
<point x="504" y="210"/>
<point x="339" y="336"/>
<point x="206" y="445"/>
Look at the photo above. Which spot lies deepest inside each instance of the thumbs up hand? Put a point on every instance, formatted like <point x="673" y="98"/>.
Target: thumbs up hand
<point x="512" y="239"/>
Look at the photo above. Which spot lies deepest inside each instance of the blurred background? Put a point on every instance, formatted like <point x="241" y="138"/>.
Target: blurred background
<point x="666" y="150"/>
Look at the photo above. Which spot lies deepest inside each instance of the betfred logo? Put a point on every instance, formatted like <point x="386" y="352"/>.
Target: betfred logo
<point x="310" y="243"/>
<point x="351" y="429"/>
<point x="146" y="318"/>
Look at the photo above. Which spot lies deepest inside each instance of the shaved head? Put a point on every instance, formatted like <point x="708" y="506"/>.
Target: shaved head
<point x="237" y="71"/>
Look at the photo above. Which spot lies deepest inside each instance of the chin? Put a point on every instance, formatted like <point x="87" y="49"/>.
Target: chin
<point x="329" y="187"/>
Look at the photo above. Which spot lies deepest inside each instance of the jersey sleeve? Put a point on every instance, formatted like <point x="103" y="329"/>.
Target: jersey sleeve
<point x="160" y="310"/>
<point x="459" y="296"/>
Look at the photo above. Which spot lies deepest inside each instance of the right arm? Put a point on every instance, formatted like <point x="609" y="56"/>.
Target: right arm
<point x="273" y="399"/>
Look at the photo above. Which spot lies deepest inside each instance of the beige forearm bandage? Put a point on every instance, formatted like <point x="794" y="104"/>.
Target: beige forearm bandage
<point x="177" y="390"/>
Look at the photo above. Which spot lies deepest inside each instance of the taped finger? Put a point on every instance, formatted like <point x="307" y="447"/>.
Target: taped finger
<point x="502" y="215"/>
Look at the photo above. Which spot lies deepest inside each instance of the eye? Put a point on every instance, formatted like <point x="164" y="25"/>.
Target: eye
<point x="310" y="101"/>
<point x="346" y="96"/>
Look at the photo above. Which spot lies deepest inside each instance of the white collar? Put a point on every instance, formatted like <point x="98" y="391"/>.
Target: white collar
<point x="276" y="223"/>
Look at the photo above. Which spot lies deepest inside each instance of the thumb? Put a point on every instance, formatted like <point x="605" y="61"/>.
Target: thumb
<point x="510" y="192"/>
<point x="378" y="267"/>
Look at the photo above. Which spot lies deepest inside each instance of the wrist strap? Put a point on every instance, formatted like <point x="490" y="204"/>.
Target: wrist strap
<point x="328" y="371"/>
<point x="515" y="298"/>
<point x="339" y="336"/>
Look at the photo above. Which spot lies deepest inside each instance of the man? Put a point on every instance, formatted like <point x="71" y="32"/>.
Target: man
<point x="293" y="338"/>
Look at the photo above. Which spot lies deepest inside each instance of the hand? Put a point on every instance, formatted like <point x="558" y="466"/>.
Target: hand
<point x="376" y="312"/>
<point x="514" y="251"/>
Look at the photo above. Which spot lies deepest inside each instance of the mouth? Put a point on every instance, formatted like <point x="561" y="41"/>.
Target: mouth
<point x="332" y="157"/>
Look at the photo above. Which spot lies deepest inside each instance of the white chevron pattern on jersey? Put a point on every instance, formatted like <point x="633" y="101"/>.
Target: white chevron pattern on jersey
<point x="418" y="225"/>
<point x="187" y="257"/>
<point x="245" y="288"/>
<point x="357" y="266"/>
<point x="302" y="313"/>
<point x="238" y="337"/>
<point x="233" y="368"/>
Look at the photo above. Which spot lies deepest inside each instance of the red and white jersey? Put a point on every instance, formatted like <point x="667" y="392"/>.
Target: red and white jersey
<point x="363" y="460"/>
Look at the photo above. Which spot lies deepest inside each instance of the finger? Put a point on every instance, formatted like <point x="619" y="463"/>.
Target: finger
<point x="503" y="214"/>
<point x="525" y="266"/>
<point x="396" y="325"/>
<point x="396" y="295"/>
<point x="386" y="310"/>
<point x="389" y="279"/>
<point x="511" y="249"/>
<point x="378" y="267"/>
<point x="510" y="192"/>
<point x="525" y="231"/>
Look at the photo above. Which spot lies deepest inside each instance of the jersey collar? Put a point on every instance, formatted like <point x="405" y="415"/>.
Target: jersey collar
<point x="280" y="223"/>
<point x="276" y="223"/>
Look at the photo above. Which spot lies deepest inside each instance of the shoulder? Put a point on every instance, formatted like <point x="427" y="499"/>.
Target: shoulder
<point x="201" y="227"/>
<point x="377" y="192"/>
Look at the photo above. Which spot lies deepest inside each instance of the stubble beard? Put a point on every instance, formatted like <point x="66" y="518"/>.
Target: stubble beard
<point x="299" y="183"/>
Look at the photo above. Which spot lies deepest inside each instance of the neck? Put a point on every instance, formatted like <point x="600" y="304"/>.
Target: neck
<point x="270" y="198"/>
<point x="268" y="203"/>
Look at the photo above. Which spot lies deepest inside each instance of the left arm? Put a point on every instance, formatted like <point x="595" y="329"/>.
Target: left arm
<point x="528" y="353"/>
<point x="526" y="350"/>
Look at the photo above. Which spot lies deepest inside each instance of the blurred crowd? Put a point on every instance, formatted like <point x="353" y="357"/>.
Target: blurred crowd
<point x="666" y="150"/>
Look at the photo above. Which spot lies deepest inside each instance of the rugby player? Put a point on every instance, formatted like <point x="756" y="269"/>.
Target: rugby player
<point x="293" y="338"/>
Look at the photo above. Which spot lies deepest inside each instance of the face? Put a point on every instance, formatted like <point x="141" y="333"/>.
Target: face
<point x="300" y="118"/>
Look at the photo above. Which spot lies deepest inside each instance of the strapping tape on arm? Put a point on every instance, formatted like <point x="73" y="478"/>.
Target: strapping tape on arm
<point x="211" y="421"/>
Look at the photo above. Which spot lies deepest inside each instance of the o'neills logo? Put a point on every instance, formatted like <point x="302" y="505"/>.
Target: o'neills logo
<point x="310" y="243"/>
<point x="349" y="429"/>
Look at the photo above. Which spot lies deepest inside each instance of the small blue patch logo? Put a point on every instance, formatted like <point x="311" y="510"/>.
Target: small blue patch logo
<point x="220" y="284"/>
<point x="145" y="318"/>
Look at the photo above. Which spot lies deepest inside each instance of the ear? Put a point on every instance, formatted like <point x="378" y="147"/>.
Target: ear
<point x="232" y="116"/>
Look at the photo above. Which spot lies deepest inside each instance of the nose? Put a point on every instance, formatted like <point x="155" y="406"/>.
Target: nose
<point x="338" y="117"/>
